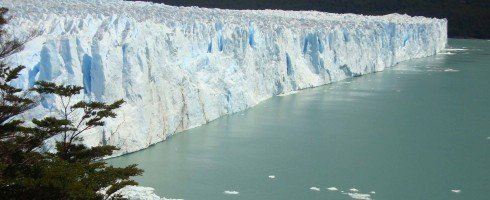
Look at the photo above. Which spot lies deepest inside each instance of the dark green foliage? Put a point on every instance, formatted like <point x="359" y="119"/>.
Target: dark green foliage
<point x="467" y="18"/>
<point x="75" y="171"/>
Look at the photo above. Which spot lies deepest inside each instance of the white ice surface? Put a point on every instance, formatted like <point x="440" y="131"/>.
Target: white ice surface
<point x="178" y="68"/>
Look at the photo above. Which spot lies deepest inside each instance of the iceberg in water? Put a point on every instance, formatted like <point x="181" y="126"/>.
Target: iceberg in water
<point x="178" y="68"/>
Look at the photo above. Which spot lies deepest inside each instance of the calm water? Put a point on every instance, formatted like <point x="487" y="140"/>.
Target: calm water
<point x="416" y="131"/>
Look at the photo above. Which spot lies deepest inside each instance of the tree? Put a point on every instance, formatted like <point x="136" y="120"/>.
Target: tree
<point x="75" y="171"/>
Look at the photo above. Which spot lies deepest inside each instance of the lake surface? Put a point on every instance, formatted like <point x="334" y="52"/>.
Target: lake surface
<point x="415" y="131"/>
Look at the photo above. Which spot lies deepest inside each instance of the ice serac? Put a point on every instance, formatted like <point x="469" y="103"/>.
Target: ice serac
<point x="179" y="68"/>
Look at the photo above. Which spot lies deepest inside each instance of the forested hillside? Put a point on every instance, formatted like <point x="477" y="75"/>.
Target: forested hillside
<point x="467" y="18"/>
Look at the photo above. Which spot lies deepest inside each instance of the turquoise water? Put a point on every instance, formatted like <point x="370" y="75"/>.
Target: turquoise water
<point x="415" y="131"/>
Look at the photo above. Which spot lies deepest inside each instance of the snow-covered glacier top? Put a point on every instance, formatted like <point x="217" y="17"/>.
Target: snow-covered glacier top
<point x="181" y="67"/>
<point x="164" y="13"/>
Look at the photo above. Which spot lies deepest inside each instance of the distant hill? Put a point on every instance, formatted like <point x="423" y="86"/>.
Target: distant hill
<point x="467" y="18"/>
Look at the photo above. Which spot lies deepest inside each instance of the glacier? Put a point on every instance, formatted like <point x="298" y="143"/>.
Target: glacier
<point x="182" y="67"/>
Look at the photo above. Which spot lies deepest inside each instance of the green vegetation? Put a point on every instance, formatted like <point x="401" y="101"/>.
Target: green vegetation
<point x="467" y="18"/>
<point x="73" y="171"/>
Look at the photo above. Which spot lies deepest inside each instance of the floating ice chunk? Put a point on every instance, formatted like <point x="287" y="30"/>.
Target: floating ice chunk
<point x="451" y="70"/>
<point x="456" y="191"/>
<point x="373" y="192"/>
<point x="354" y="190"/>
<point x="272" y="176"/>
<point x="315" y="189"/>
<point x="139" y="192"/>
<point x="360" y="196"/>
<point x="231" y="192"/>
<point x="332" y="189"/>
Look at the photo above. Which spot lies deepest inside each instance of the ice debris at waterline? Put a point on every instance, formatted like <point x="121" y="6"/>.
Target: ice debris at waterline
<point x="315" y="188"/>
<point x="181" y="67"/>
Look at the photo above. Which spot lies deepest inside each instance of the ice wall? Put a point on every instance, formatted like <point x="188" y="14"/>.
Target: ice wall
<point x="179" y="68"/>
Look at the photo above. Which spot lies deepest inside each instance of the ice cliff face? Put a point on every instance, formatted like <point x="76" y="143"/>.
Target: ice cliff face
<point x="179" y="68"/>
